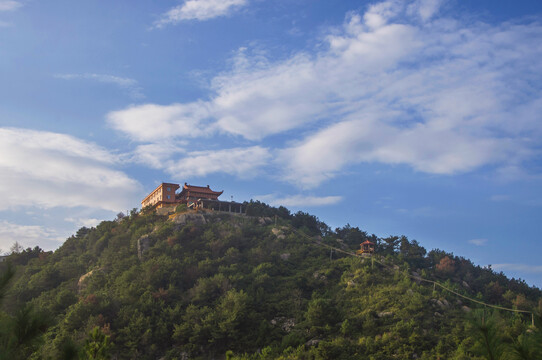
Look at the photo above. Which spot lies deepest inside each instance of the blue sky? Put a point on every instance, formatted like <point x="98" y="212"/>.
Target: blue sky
<point x="418" y="117"/>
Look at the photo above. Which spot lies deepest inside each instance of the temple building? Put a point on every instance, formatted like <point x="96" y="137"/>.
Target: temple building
<point x="195" y="197"/>
<point x="191" y="193"/>
<point x="163" y="195"/>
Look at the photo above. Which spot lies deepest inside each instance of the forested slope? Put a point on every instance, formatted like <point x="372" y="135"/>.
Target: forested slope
<point x="214" y="285"/>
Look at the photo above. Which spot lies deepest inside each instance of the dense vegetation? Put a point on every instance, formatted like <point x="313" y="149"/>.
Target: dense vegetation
<point x="145" y="286"/>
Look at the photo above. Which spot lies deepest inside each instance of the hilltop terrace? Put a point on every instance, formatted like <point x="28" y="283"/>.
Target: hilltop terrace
<point x="195" y="197"/>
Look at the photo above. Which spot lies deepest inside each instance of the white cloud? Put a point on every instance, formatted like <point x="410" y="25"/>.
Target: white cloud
<point x="299" y="200"/>
<point x="127" y="84"/>
<point x="518" y="267"/>
<point x="200" y="10"/>
<point x="156" y="155"/>
<point x="80" y="222"/>
<point x="241" y="162"/>
<point x="152" y="122"/>
<point x="28" y="236"/>
<point x="478" y="242"/>
<point x="9" y="5"/>
<point x="400" y="84"/>
<point x="46" y="169"/>
<point x="425" y="9"/>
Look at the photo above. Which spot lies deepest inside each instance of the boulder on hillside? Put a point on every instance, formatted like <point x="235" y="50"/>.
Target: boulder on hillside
<point x="143" y="244"/>
<point x="194" y="218"/>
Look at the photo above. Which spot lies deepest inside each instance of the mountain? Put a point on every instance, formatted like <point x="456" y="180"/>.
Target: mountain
<point x="268" y="285"/>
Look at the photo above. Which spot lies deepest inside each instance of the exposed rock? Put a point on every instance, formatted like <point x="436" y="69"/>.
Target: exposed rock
<point x="143" y="244"/>
<point x="445" y="302"/>
<point x="285" y="324"/>
<point x="165" y="210"/>
<point x="465" y="284"/>
<point x="278" y="233"/>
<point x="83" y="278"/>
<point x="351" y="283"/>
<point x="466" y="308"/>
<point x="265" y="220"/>
<point x="319" y="276"/>
<point x="437" y="314"/>
<point x="384" y="314"/>
<point x="285" y="256"/>
<point x="414" y="273"/>
<point x="312" y="342"/>
<point x="183" y="219"/>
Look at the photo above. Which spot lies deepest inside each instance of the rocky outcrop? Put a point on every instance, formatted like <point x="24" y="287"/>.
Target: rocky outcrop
<point x="384" y="314"/>
<point x="265" y="220"/>
<point x="278" y="233"/>
<point x="82" y="280"/>
<point x="143" y="244"/>
<point x="194" y="218"/>
<point x="286" y="324"/>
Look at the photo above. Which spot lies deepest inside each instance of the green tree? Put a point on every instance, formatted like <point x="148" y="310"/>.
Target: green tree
<point x="97" y="345"/>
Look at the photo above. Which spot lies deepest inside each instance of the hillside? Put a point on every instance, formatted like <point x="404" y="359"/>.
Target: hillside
<point x="212" y="285"/>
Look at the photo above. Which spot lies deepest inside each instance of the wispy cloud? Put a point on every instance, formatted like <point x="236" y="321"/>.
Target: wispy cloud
<point x="199" y="10"/>
<point x="156" y="155"/>
<point x="241" y="162"/>
<point x="28" y="236"/>
<point x="87" y="222"/>
<point x="299" y="200"/>
<point x="478" y="242"/>
<point x="9" y="5"/>
<point x="45" y="169"/>
<point x="129" y="85"/>
<point x="403" y="85"/>
<point x="518" y="267"/>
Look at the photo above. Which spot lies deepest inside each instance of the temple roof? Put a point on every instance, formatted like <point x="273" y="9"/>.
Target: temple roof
<point x="367" y="242"/>
<point x="201" y="189"/>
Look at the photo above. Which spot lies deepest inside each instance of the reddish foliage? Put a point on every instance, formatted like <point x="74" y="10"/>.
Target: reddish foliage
<point x="91" y="299"/>
<point x="494" y="291"/>
<point x="171" y="241"/>
<point x="44" y="255"/>
<point x="446" y="265"/>
<point x="160" y="294"/>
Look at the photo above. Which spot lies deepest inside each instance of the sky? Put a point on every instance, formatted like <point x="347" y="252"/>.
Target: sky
<point x="418" y="118"/>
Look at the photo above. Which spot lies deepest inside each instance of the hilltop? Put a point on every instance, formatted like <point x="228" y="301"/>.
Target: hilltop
<point x="267" y="285"/>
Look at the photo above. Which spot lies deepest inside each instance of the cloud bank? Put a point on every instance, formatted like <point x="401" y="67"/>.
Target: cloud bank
<point x="400" y="84"/>
<point x="28" y="236"/>
<point x="47" y="170"/>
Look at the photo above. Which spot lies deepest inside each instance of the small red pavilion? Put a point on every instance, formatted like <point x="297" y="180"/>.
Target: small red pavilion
<point x="367" y="247"/>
